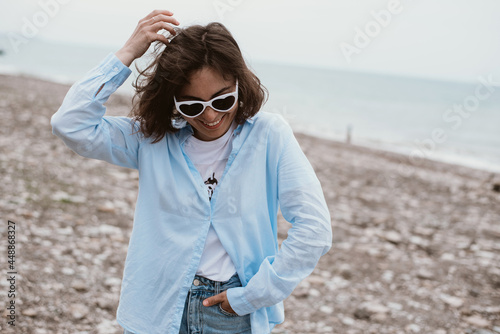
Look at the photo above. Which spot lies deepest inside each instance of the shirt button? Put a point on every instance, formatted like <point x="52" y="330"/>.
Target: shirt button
<point x="196" y="282"/>
<point x="115" y="69"/>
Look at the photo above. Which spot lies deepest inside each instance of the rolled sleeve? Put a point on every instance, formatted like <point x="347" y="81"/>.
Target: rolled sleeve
<point x="238" y="302"/>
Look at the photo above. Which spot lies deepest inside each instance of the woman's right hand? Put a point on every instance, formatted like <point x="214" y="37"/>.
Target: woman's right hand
<point x="146" y="33"/>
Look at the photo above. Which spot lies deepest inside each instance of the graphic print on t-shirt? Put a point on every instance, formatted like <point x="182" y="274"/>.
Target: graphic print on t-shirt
<point x="211" y="182"/>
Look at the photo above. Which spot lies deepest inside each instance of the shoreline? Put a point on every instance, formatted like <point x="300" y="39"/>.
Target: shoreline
<point x="406" y="151"/>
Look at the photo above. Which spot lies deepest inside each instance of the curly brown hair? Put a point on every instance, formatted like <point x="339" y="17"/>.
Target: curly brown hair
<point x="192" y="49"/>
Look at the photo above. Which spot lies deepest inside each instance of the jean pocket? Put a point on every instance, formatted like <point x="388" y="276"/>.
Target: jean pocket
<point x="226" y="312"/>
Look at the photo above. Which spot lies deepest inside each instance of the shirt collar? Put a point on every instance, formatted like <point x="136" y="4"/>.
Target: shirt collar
<point x="249" y="120"/>
<point x="184" y="133"/>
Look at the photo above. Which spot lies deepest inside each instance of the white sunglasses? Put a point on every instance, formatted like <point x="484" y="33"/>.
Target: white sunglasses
<point x="222" y="103"/>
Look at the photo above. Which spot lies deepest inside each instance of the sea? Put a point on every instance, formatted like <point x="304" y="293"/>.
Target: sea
<point x="455" y="122"/>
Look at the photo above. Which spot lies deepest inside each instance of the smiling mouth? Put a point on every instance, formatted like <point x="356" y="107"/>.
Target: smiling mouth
<point x="214" y="124"/>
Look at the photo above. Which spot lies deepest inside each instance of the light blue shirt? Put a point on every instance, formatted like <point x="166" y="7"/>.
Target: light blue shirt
<point x="266" y="171"/>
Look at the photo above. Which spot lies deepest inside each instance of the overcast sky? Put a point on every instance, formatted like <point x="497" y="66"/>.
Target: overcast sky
<point x="444" y="39"/>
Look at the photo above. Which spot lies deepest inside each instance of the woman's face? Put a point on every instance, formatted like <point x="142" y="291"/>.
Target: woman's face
<point x="204" y="85"/>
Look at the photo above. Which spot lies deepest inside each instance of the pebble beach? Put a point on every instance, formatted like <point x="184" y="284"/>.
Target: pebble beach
<point x="416" y="247"/>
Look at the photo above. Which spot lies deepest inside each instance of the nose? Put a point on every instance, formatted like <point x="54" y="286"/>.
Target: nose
<point x="209" y="115"/>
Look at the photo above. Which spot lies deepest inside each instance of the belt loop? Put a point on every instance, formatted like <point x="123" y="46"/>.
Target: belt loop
<point x="217" y="287"/>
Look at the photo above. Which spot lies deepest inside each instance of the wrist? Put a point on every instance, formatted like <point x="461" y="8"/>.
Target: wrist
<point x="125" y="56"/>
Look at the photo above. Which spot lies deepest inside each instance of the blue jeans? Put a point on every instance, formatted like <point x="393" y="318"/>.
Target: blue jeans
<point x="210" y="320"/>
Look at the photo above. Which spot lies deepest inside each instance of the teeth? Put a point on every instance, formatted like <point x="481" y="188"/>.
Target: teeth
<point x="213" y="124"/>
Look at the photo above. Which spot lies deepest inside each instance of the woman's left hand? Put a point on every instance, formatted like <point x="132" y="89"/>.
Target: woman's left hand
<point x="221" y="298"/>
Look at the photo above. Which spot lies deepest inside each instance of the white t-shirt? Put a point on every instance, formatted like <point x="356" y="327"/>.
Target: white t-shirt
<point x="210" y="158"/>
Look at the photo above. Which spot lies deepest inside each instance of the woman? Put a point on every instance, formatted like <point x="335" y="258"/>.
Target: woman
<point x="213" y="170"/>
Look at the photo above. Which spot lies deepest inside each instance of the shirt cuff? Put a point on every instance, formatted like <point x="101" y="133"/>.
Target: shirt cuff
<point x="238" y="301"/>
<point x="112" y="66"/>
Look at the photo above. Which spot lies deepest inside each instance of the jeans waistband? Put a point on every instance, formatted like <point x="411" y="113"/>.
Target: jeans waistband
<point x="203" y="283"/>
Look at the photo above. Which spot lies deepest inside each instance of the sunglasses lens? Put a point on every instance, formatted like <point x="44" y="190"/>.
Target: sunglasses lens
<point x="191" y="109"/>
<point x="224" y="104"/>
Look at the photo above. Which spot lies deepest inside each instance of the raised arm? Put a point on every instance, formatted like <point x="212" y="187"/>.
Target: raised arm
<point x="80" y="121"/>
